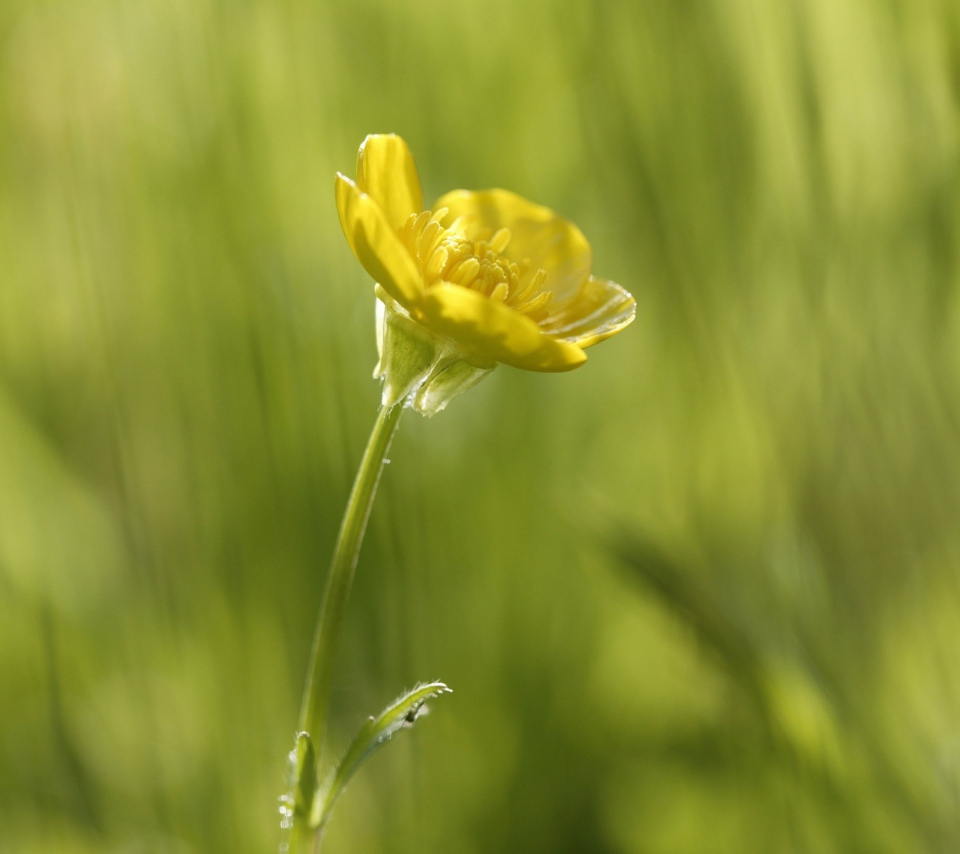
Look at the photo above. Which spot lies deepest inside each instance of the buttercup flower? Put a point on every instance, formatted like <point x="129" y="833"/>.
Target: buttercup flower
<point x="480" y="278"/>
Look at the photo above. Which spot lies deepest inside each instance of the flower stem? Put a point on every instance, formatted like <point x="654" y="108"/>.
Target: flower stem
<point x="316" y="694"/>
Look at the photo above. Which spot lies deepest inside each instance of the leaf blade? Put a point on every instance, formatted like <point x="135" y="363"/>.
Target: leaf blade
<point x="400" y="714"/>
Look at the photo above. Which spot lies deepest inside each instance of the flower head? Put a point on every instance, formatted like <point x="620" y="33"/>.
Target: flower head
<point x="480" y="278"/>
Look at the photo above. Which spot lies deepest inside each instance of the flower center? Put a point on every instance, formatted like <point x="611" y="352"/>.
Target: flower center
<point x="446" y="255"/>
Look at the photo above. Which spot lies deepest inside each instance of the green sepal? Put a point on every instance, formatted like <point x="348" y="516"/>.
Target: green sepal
<point x="409" y="354"/>
<point x="444" y="384"/>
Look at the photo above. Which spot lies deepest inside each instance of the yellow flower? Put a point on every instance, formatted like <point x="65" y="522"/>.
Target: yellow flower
<point x="480" y="278"/>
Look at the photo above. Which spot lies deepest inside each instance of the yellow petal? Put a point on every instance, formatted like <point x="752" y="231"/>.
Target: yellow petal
<point x="549" y="241"/>
<point x="599" y="310"/>
<point x="491" y="330"/>
<point x="375" y="243"/>
<point x="386" y="172"/>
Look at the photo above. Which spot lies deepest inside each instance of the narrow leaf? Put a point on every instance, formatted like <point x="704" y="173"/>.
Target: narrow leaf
<point x="306" y="770"/>
<point x="376" y="732"/>
<point x="296" y="803"/>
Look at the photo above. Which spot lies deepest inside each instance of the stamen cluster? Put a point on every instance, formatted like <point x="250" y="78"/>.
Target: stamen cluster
<point x="446" y="255"/>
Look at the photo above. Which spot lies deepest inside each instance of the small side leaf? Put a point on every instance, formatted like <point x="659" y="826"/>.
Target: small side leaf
<point x="306" y="783"/>
<point x="296" y="804"/>
<point x="376" y="732"/>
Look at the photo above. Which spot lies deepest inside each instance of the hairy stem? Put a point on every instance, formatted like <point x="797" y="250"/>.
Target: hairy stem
<point x="316" y="694"/>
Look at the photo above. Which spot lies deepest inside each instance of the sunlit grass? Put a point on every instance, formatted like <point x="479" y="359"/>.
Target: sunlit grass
<point x="700" y="596"/>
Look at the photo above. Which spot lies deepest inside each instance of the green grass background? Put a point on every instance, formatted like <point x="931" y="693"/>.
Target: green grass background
<point x="701" y="595"/>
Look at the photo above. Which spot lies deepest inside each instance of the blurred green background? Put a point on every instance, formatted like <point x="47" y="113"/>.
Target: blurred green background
<point x="701" y="595"/>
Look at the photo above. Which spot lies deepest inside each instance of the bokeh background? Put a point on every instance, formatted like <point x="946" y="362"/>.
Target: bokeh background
<point x="701" y="595"/>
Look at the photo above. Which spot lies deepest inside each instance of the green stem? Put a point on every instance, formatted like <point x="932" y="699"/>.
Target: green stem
<point x="316" y="694"/>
